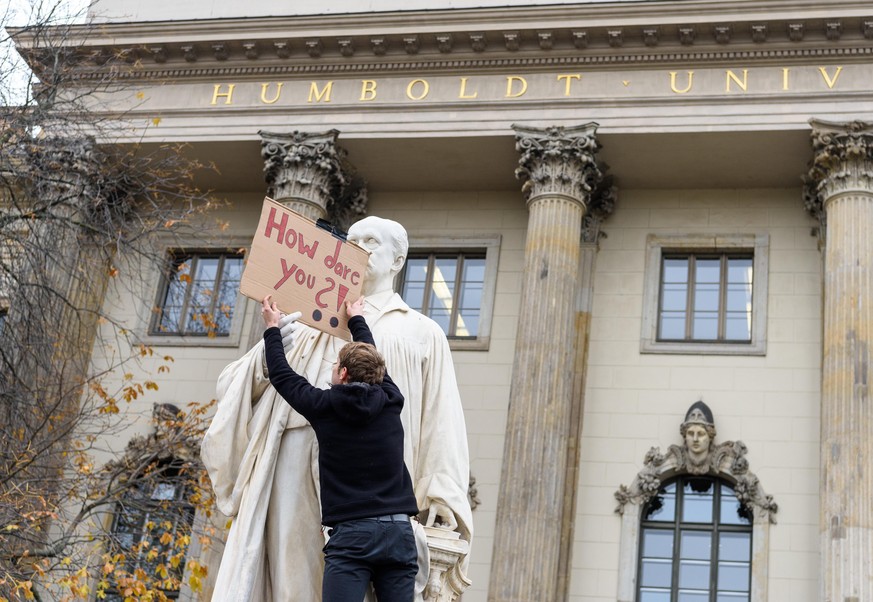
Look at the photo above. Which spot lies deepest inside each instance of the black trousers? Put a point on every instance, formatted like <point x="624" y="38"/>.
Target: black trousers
<point x="378" y="550"/>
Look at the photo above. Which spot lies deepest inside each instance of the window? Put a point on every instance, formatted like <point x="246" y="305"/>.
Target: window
<point x="448" y="289"/>
<point x="152" y="523"/>
<point x="696" y="544"/>
<point x="706" y="298"/>
<point x="706" y="295"/>
<point x="452" y="281"/>
<point x="198" y="294"/>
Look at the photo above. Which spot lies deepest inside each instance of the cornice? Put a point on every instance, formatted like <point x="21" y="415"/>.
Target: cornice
<point x="543" y="36"/>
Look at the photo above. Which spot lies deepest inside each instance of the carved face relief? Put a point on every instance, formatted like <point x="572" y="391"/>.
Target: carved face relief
<point x="697" y="441"/>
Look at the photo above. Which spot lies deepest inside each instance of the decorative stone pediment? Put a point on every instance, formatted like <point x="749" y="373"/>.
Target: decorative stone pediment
<point x="726" y="460"/>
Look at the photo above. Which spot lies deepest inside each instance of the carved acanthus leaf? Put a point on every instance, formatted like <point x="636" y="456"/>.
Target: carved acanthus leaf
<point x="558" y="161"/>
<point x="842" y="160"/>
<point x="314" y="168"/>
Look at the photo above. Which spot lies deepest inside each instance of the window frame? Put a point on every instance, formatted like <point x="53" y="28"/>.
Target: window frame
<point x="440" y="244"/>
<point x="154" y="300"/>
<point x="658" y="246"/>
<point x="677" y="526"/>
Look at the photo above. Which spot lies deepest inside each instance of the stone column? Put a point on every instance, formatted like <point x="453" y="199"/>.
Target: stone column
<point x="559" y="172"/>
<point x="840" y="191"/>
<point x="309" y="173"/>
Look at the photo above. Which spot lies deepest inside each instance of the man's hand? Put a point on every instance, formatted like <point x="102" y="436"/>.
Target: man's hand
<point x="440" y="515"/>
<point x="356" y="308"/>
<point x="269" y="312"/>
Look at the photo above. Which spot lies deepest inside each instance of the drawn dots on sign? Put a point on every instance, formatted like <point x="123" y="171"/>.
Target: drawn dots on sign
<point x="316" y="315"/>
<point x="334" y="321"/>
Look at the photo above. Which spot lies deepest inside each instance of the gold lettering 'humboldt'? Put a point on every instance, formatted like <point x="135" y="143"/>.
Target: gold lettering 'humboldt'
<point x="569" y="77"/>
<point x="785" y="71"/>
<point x="828" y="80"/>
<point x="673" y="82"/>
<point x="275" y="96"/>
<point x="319" y="95"/>
<point x="510" y="83"/>
<point x="368" y="89"/>
<point x="425" y="89"/>
<point x="731" y="76"/>
<point x="463" y="92"/>
<point x="217" y="93"/>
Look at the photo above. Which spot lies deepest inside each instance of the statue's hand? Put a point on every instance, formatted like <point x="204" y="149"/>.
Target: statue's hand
<point x="289" y="326"/>
<point x="440" y="515"/>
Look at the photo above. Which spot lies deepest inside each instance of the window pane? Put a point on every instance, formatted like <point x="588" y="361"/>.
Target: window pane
<point x="731" y="511"/>
<point x="414" y="282"/>
<point x="468" y="323"/>
<point x="706" y="297"/>
<point x="441" y="302"/>
<point x="672" y="326"/>
<point x="733" y="577"/>
<point x="707" y="271"/>
<point x="692" y="596"/>
<point x="657" y="543"/>
<point x="734" y="547"/>
<point x="696" y="545"/>
<point x="694" y="574"/>
<point x="662" y="507"/>
<point x="732" y="597"/>
<point x="657" y="573"/>
<point x="697" y="501"/>
<point x="739" y="297"/>
<point x="651" y="595"/>
<point x="675" y="270"/>
<point x="740" y="270"/>
<point x="705" y="326"/>
<point x="674" y="297"/>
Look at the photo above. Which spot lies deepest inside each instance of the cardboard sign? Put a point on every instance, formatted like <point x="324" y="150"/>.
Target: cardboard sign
<point x="305" y="267"/>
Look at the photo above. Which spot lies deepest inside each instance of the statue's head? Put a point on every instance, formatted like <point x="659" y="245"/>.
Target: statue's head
<point x="698" y="432"/>
<point x="387" y="244"/>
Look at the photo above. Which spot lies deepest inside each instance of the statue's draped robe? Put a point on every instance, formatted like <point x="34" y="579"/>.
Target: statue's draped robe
<point x="262" y="455"/>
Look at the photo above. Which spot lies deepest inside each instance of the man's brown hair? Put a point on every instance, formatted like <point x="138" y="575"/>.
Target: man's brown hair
<point x="363" y="362"/>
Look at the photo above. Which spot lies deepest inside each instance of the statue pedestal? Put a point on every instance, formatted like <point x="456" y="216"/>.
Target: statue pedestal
<point x="446" y="582"/>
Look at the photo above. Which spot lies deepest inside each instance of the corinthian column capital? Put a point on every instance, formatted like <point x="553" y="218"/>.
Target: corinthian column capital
<point x="842" y="163"/>
<point x="558" y="161"/>
<point x="310" y="173"/>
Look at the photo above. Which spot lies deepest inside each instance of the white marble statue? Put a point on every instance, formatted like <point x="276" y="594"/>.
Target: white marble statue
<point x="262" y="456"/>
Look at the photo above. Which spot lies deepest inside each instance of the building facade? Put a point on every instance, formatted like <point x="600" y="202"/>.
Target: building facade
<point x="616" y="209"/>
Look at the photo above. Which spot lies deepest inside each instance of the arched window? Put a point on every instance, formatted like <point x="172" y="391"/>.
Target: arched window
<point x="696" y="543"/>
<point x="151" y="530"/>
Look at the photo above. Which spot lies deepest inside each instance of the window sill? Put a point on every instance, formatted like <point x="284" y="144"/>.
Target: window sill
<point x="692" y="348"/>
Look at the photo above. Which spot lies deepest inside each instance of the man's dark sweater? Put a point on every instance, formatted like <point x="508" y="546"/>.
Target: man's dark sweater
<point x="360" y="437"/>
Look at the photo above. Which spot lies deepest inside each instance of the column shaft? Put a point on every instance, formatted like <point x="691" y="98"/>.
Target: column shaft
<point x="529" y="554"/>
<point x="842" y="184"/>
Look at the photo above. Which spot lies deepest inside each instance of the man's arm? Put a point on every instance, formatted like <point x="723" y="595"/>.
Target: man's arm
<point x="293" y="388"/>
<point x="361" y="334"/>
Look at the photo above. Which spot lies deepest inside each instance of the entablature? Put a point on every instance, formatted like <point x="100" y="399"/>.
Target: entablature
<point x="538" y="37"/>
